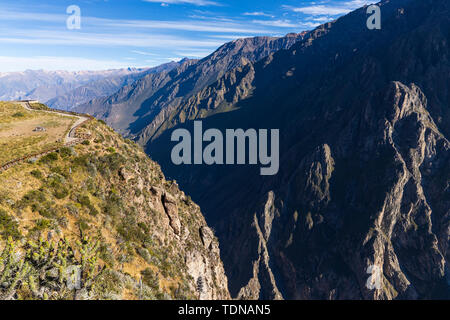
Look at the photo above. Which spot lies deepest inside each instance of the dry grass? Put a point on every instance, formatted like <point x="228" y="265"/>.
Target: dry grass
<point x="17" y="181"/>
<point x="17" y="138"/>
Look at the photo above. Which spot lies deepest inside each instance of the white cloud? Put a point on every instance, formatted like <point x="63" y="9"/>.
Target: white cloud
<point x="143" y="53"/>
<point x="197" y="24"/>
<point x="258" y="14"/>
<point x="321" y="10"/>
<point x="175" y="59"/>
<point x="228" y="37"/>
<point x="139" y="40"/>
<point x="193" y="54"/>
<point x="320" y="19"/>
<point x="284" y="24"/>
<point x="201" y="24"/>
<point x="328" y="9"/>
<point x="193" y="25"/>
<point x="9" y="15"/>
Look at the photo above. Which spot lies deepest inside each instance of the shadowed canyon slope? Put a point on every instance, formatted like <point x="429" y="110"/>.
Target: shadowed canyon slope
<point x="364" y="160"/>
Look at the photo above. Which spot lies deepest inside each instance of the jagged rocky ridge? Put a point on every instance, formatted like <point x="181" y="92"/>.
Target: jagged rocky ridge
<point x="364" y="169"/>
<point x="144" y="108"/>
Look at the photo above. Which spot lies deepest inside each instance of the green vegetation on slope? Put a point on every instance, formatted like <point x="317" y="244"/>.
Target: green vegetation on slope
<point x="104" y="191"/>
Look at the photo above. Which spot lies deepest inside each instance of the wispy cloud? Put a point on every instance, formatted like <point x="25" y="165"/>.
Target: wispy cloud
<point x="11" y="15"/>
<point x="329" y="9"/>
<point x="192" y="25"/>
<point x="141" y="40"/>
<point x="201" y="24"/>
<point x="227" y="37"/>
<point x="284" y="24"/>
<point x="258" y="14"/>
<point x="143" y="53"/>
<point x="193" y="53"/>
<point x="193" y="2"/>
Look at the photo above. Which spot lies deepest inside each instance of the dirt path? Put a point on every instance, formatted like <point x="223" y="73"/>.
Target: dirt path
<point x="70" y="137"/>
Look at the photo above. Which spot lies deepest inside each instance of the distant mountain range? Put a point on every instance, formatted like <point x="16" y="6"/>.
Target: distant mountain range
<point x="65" y="90"/>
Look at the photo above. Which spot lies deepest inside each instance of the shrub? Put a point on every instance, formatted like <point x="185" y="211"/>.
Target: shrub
<point x="61" y="193"/>
<point x="8" y="226"/>
<point x="84" y="200"/>
<point x="37" y="173"/>
<point x="66" y="152"/>
<point x="81" y="161"/>
<point x="83" y="225"/>
<point x="51" y="157"/>
<point x="34" y="196"/>
<point x="130" y="231"/>
<point x="106" y="254"/>
<point x="44" y="210"/>
<point x="63" y="221"/>
<point x="93" y="211"/>
<point x="113" y="205"/>
<point x="150" y="278"/>
<point x="72" y="208"/>
<point x="18" y="115"/>
<point x="112" y="162"/>
<point x="56" y="183"/>
<point x="137" y="192"/>
<point x="42" y="224"/>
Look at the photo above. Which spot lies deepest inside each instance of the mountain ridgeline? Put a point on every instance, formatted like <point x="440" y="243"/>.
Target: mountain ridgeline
<point x="364" y="122"/>
<point x="144" y="107"/>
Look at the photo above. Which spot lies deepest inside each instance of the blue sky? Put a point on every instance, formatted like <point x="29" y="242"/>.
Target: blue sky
<point x="145" y="33"/>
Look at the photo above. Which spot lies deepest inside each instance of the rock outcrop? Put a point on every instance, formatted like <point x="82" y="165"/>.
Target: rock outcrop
<point x="157" y="100"/>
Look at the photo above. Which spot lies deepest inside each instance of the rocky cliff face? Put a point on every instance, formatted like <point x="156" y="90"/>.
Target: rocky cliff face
<point x="364" y="169"/>
<point x="146" y="239"/>
<point x="375" y="205"/>
<point x="141" y="109"/>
